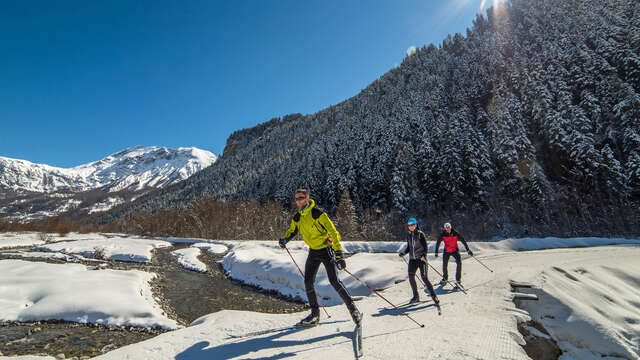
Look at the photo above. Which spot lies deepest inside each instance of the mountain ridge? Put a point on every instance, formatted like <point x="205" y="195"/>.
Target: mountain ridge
<point x="33" y="191"/>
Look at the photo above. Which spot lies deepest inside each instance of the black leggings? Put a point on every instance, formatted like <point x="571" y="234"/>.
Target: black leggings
<point x="413" y="266"/>
<point x="314" y="259"/>
<point x="445" y="262"/>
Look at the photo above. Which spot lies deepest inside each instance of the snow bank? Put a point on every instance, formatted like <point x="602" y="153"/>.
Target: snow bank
<point x="32" y="291"/>
<point x="217" y="249"/>
<point x="347" y="246"/>
<point x="188" y="258"/>
<point x="42" y="255"/>
<point x="592" y="311"/>
<point x="8" y="240"/>
<point x="526" y="244"/>
<point x="117" y="248"/>
<point x="266" y="265"/>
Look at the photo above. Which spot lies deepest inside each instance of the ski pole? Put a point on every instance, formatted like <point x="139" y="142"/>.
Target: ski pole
<point x="437" y="272"/>
<point x="481" y="263"/>
<point x="419" y="278"/>
<point x="301" y="274"/>
<point x="375" y="292"/>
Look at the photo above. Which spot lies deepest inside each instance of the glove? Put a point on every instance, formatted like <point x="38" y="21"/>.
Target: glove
<point x="340" y="263"/>
<point x="436" y="254"/>
<point x="283" y="242"/>
<point x="470" y="252"/>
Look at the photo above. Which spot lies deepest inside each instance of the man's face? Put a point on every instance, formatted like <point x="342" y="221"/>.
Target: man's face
<point x="411" y="227"/>
<point x="301" y="200"/>
<point x="448" y="228"/>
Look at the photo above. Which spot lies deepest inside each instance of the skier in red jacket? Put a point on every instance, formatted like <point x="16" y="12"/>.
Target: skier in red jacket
<point x="451" y="238"/>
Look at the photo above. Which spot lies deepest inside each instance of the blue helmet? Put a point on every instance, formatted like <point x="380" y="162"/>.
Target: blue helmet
<point x="412" y="221"/>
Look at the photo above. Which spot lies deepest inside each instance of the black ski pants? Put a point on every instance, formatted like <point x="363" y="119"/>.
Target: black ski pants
<point x="413" y="266"/>
<point x="314" y="259"/>
<point x="445" y="263"/>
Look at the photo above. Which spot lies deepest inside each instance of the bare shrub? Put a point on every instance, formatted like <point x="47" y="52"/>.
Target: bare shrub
<point x="47" y="238"/>
<point x="98" y="253"/>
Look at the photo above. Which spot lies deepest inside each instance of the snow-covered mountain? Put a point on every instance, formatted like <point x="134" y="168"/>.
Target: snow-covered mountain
<point x="136" y="168"/>
<point x="31" y="191"/>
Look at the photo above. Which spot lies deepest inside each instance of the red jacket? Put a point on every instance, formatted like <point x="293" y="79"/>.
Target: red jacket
<point x="450" y="241"/>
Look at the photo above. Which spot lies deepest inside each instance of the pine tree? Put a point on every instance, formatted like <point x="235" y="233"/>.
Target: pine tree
<point x="346" y="218"/>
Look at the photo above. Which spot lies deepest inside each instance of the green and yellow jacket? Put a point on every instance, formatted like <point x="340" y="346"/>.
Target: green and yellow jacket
<point x="315" y="226"/>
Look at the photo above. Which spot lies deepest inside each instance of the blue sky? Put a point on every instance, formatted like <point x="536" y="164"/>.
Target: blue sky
<point x="80" y="80"/>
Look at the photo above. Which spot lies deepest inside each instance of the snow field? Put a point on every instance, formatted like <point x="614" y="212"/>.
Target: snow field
<point x="594" y="309"/>
<point x="9" y="240"/>
<point x="32" y="291"/>
<point x="590" y="291"/>
<point x="116" y="248"/>
<point x="217" y="249"/>
<point x="188" y="258"/>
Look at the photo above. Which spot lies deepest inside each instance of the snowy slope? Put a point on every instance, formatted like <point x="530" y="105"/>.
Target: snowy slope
<point x="135" y="168"/>
<point x="480" y="325"/>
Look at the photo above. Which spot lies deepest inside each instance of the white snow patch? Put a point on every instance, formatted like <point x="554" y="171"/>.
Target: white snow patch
<point x="594" y="308"/>
<point x="8" y="240"/>
<point x="217" y="249"/>
<point x="117" y="248"/>
<point x="106" y="204"/>
<point x="32" y="291"/>
<point x="188" y="258"/>
<point x="266" y="265"/>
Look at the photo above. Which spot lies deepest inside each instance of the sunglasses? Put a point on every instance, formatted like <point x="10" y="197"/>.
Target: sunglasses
<point x="300" y="198"/>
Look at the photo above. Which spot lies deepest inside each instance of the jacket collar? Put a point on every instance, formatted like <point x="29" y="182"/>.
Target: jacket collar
<point x="307" y="210"/>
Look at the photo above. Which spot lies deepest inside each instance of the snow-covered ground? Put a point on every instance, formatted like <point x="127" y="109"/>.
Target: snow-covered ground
<point x="480" y="325"/>
<point x="267" y="266"/>
<point x="588" y="301"/>
<point x="188" y="258"/>
<point x="115" y="248"/>
<point x="8" y="240"/>
<point x="591" y="308"/>
<point x="31" y="291"/>
<point x="46" y="255"/>
<point x="217" y="249"/>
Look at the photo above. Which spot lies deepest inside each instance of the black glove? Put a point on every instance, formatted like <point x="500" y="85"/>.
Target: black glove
<point x="283" y="242"/>
<point x="340" y="263"/>
<point x="436" y="254"/>
<point x="470" y="252"/>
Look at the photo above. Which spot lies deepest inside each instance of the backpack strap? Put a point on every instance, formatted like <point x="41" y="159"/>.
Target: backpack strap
<point x="315" y="214"/>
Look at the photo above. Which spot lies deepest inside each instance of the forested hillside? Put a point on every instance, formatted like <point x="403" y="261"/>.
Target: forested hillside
<point x="527" y="124"/>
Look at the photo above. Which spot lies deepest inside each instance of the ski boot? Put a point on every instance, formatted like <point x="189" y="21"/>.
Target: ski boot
<point x="312" y="320"/>
<point x="355" y="315"/>
<point x="443" y="282"/>
<point x="414" y="300"/>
